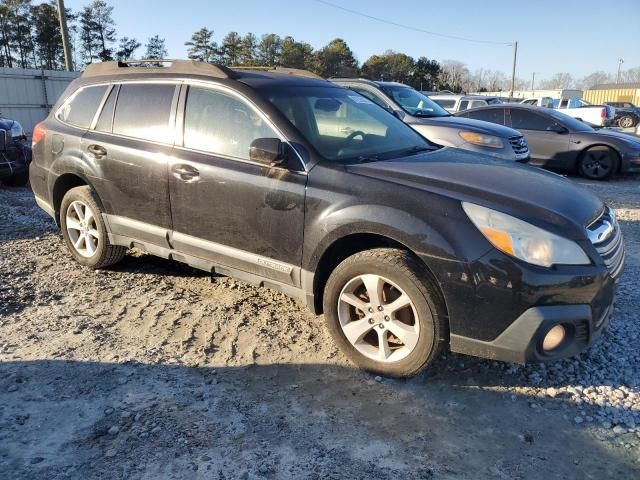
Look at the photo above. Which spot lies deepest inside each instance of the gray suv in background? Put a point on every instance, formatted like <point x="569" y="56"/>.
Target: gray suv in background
<point x="436" y="124"/>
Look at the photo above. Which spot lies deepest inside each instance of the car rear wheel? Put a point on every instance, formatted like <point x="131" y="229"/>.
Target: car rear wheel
<point x="19" y="180"/>
<point x="598" y="163"/>
<point x="385" y="313"/>
<point x="627" y="121"/>
<point x="84" y="230"/>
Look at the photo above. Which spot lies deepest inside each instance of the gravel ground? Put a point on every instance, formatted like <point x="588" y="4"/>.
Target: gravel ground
<point x="154" y="370"/>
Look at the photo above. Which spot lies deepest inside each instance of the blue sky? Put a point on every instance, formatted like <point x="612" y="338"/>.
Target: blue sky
<point x="553" y="36"/>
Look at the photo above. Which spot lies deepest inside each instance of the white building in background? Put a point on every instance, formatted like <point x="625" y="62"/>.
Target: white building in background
<point x="558" y="94"/>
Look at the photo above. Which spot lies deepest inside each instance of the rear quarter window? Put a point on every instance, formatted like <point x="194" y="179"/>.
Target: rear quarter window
<point x="80" y="110"/>
<point x="143" y="111"/>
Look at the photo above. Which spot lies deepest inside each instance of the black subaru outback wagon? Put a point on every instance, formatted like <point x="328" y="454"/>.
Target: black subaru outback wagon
<point x="283" y="179"/>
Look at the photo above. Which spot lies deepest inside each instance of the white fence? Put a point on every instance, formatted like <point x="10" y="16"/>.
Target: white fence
<point x="27" y="95"/>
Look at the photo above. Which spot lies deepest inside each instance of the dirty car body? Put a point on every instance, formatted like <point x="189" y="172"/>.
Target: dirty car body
<point x="304" y="199"/>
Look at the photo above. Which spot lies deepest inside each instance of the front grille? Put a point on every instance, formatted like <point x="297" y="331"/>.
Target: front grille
<point x="606" y="236"/>
<point x="519" y="145"/>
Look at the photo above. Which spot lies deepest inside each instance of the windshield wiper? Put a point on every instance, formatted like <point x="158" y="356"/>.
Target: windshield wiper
<point x="367" y="158"/>
<point x="416" y="149"/>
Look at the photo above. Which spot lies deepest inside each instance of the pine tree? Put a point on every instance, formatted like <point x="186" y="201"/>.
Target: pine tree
<point x="156" y="48"/>
<point x="248" y="51"/>
<point x="269" y="49"/>
<point x="19" y="33"/>
<point x="295" y="54"/>
<point x="336" y="60"/>
<point x="97" y="31"/>
<point x="127" y="48"/>
<point x="202" y="47"/>
<point x="47" y="36"/>
<point x="231" y="48"/>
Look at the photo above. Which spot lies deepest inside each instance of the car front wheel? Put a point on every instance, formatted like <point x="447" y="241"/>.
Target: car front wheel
<point x="84" y="230"/>
<point x="384" y="312"/>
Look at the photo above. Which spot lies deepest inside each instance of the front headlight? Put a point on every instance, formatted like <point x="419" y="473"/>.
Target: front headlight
<point x="482" y="140"/>
<point x="16" y="130"/>
<point x="523" y="240"/>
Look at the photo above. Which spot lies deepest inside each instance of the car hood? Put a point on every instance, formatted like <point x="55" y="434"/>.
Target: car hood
<point x="469" y="124"/>
<point x="531" y="194"/>
<point x="6" y="124"/>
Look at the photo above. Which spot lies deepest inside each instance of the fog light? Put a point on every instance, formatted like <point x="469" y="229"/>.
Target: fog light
<point x="553" y="338"/>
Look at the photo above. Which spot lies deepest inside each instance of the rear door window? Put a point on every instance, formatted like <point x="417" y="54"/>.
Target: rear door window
<point x="82" y="108"/>
<point x="493" y="115"/>
<point x="524" y="120"/>
<point x="464" y="104"/>
<point x="143" y="111"/>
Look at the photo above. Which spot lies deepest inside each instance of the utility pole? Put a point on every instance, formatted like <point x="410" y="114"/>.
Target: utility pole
<point x="66" y="46"/>
<point x="533" y="80"/>
<point x="513" y="73"/>
<point x="620" y="62"/>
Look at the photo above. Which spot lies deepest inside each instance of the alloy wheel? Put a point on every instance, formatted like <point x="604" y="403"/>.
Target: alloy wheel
<point x="378" y="318"/>
<point x="626" y="122"/>
<point x="82" y="229"/>
<point x="597" y="163"/>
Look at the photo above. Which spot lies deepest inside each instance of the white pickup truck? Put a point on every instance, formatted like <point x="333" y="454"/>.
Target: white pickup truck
<point x="599" y="115"/>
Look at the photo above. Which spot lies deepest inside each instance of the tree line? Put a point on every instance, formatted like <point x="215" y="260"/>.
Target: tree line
<point x="30" y="38"/>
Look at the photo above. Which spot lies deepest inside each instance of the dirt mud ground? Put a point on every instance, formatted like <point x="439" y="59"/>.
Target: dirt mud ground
<point x="151" y="370"/>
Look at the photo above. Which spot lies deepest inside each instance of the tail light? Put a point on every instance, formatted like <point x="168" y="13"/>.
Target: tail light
<point x="39" y="133"/>
<point x="603" y="113"/>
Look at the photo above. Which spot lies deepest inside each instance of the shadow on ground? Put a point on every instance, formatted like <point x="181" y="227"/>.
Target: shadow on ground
<point x="72" y="419"/>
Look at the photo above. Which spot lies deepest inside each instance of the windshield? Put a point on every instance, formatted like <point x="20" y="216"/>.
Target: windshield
<point x="413" y="102"/>
<point x="343" y="125"/>
<point x="570" y="122"/>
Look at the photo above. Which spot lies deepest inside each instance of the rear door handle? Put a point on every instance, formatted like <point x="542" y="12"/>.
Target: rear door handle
<point x="97" y="151"/>
<point x="185" y="173"/>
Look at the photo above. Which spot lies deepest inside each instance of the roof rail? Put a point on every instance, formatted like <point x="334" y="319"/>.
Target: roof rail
<point x="186" y="67"/>
<point x="298" y="72"/>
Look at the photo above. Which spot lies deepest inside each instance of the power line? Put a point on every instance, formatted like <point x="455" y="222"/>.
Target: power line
<point x="409" y="27"/>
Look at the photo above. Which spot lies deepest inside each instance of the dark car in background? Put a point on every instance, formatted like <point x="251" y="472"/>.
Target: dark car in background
<point x="15" y="154"/>
<point x="560" y="142"/>
<point x="406" y="247"/>
<point x="627" y="114"/>
<point x="436" y="124"/>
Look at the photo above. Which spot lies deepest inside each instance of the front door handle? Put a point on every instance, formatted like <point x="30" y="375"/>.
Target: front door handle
<point x="97" y="151"/>
<point x="185" y="173"/>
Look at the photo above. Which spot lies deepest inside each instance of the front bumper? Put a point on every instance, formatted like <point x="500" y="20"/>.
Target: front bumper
<point x="13" y="161"/>
<point x="522" y="341"/>
<point x="501" y="308"/>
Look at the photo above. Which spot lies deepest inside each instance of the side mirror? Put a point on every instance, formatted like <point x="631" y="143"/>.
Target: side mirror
<point x="268" y="151"/>
<point x="559" y="129"/>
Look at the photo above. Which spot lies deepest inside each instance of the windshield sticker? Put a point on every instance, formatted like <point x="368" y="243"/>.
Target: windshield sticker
<point x="359" y="99"/>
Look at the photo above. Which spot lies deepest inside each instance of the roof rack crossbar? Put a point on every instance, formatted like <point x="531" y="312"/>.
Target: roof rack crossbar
<point x="284" y="70"/>
<point x="187" y="67"/>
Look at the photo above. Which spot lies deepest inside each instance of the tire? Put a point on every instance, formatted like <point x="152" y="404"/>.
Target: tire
<point x="598" y="163"/>
<point x="84" y="230"/>
<point x="374" y="345"/>
<point x="627" y="121"/>
<point x="19" y="180"/>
